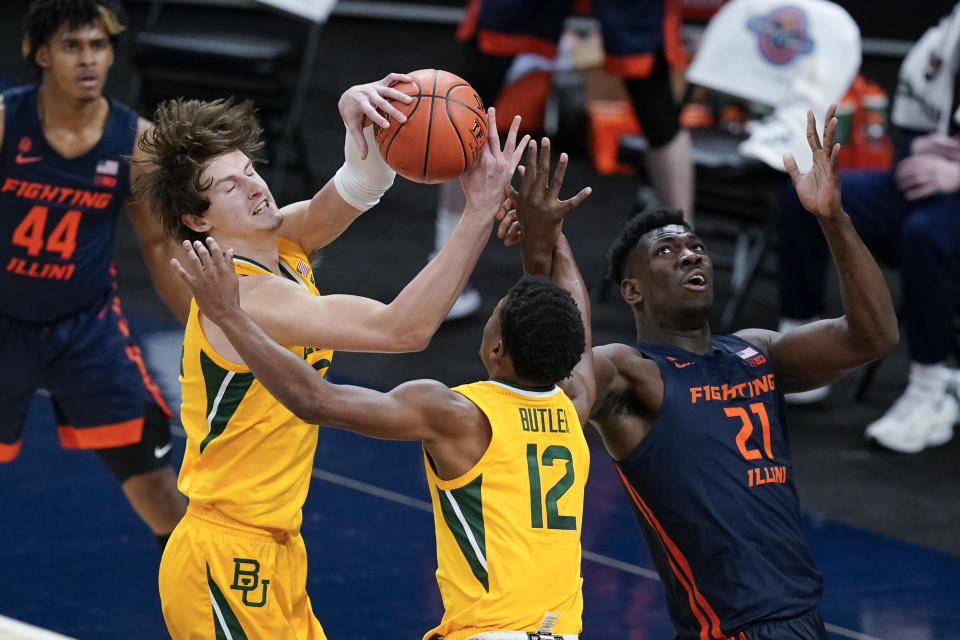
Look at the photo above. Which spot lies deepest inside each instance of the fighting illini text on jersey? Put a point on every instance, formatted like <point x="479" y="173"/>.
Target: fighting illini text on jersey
<point x="712" y="488"/>
<point x="508" y="531"/>
<point x="247" y="455"/>
<point x="59" y="215"/>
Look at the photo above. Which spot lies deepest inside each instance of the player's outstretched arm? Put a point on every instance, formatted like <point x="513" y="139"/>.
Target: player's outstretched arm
<point x="423" y="410"/>
<point x="581" y="385"/>
<point x="817" y="353"/>
<point x="546" y="252"/>
<point x="423" y="304"/>
<point x="157" y="247"/>
<point x="364" y="177"/>
<point x="353" y="323"/>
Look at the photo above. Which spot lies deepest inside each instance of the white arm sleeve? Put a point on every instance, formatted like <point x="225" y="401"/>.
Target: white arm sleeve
<point x="361" y="183"/>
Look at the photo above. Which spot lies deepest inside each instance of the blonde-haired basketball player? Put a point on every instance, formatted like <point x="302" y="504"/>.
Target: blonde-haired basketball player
<point x="505" y="458"/>
<point x="235" y="566"/>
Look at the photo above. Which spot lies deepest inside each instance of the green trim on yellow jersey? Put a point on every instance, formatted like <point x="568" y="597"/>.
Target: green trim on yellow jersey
<point x="463" y="513"/>
<point x="225" y="391"/>
<point x="242" y="260"/>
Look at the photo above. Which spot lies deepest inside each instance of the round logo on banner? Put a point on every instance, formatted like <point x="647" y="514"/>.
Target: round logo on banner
<point x="782" y="34"/>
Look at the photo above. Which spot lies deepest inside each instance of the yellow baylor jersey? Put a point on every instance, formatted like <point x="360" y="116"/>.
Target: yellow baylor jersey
<point x="247" y="455"/>
<point x="508" y="531"/>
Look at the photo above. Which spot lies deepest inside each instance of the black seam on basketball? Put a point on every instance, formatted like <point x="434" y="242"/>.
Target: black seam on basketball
<point x="419" y="96"/>
<point x="456" y="130"/>
<point x="479" y="114"/>
<point x="426" y="149"/>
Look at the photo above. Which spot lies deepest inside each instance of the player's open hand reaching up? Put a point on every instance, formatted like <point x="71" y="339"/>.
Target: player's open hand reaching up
<point x="483" y="183"/>
<point x="819" y="188"/>
<point x="537" y="211"/>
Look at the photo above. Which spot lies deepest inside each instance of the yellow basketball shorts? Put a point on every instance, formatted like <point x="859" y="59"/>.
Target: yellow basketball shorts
<point x="223" y="580"/>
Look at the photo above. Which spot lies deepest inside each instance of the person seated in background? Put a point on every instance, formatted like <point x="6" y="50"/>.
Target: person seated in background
<point x="907" y="216"/>
<point x="643" y="46"/>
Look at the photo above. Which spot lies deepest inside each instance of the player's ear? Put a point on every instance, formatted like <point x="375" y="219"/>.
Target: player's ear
<point x="630" y="290"/>
<point x="496" y="350"/>
<point x="196" y="223"/>
<point x="42" y="56"/>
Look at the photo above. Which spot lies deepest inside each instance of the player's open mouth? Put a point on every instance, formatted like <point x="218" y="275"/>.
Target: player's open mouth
<point x="260" y="207"/>
<point x="697" y="281"/>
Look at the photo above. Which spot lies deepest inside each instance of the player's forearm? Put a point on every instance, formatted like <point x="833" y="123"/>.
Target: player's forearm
<point x="868" y="307"/>
<point x="417" y="311"/>
<point x="537" y="247"/>
<point x="287" y="377"/>
<point x="582" y="383"/>
<point x="566" y="273"/>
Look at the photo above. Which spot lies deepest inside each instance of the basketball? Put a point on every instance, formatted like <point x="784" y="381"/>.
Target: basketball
<point x="445" y="130"/>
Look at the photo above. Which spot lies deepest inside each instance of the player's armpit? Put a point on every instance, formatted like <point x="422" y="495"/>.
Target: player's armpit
<point x="606" y="375"/>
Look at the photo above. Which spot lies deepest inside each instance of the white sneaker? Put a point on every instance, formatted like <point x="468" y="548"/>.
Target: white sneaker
<point x="466" y="305"/>
<point x="924" y="415"/>
<point x="812" y="395"/>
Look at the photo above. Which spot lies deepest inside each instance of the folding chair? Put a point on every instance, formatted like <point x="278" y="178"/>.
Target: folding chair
<point x="265" y="54"/>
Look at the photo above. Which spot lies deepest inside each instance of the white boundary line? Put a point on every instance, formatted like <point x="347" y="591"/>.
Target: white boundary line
<point x="11" y="629"/>
<point x="626" y="567"/>
<point x="423" y="505"/>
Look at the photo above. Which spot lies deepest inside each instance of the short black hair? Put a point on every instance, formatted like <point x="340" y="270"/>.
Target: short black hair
<point x="636" y="227"/>
<point x="44" y="17"/>
<point x="541" y="329"/>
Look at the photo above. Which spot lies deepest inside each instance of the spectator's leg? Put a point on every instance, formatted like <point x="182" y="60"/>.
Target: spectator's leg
<point x="930" y="262"/>
<point x="668" y="163"/>
<point x="877" y="210"/>
<point x="929" y="250"/>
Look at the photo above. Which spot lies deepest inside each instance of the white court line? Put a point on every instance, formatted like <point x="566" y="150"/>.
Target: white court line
<point x="847" y="633"/>
<point x="627" y="567"/>
<point x="11" y="629"/>
<point x="423" y="505"/>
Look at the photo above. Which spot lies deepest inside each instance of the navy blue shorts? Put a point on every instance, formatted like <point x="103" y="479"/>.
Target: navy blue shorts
<point x="806" y="627"/>
<point x="93" y="371"/>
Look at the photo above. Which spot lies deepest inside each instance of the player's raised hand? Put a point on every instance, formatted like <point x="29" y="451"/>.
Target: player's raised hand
<point x="362" y="104"/>
<point x="819" y="188"/>
<point x="483" y="183"/>
<point x="538" y="210"/>
<point x="211" y="277"/>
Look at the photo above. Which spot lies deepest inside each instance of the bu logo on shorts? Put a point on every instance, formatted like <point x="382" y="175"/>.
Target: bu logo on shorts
<point x="246" y="578"/>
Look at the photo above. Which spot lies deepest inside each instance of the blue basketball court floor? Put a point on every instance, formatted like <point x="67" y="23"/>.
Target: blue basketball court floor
<point x="77" y="561"/>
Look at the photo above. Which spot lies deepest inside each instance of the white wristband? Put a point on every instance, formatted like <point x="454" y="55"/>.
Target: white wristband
<point x="361" y="183"/>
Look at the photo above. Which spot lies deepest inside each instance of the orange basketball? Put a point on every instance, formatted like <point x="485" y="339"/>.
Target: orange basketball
<point x="445" y="130"/>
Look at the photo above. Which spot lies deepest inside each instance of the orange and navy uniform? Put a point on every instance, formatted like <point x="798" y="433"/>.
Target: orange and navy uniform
<point x="712" y="489"/>
<point x="633" y="32"/>
<point x="61" y="326"/>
